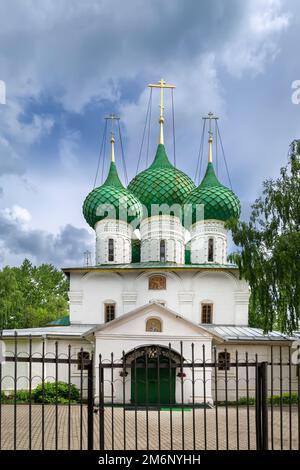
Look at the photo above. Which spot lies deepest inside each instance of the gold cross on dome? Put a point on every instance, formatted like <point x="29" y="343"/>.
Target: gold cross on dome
<point x="210" y="117"/>
<point x="162" y="85"/>
<point x="112" y="118"/>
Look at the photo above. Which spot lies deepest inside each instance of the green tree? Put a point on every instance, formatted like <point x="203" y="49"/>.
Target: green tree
<point x="269" y="250"/>
<point x="32" y="296"/>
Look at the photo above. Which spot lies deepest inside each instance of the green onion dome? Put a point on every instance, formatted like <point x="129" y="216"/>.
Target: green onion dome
<point x="112" y="193"/>
<point x="220" y="203"/>
<point x="161" y="183"/>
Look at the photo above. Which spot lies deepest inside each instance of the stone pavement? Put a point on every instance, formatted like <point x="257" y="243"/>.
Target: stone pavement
<point x="136" y="430"/>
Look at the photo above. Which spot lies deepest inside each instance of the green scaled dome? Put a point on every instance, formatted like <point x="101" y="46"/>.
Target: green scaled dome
<point x="161" y="183"/>
<point x="112" y="192"/>
<point x="220" y="203"/>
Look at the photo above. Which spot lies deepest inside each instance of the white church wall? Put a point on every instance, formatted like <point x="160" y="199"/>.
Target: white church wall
<point x="129" y="335"/>
<point x="168" y="296"/>
<point x="263" y="353"/>
<point x="185" y="292"/>
<point x="217" y="288"/>
<point x="23" y="348"/>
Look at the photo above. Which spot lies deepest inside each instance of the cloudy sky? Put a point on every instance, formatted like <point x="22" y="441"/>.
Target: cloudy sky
<point x="67" y="64"/>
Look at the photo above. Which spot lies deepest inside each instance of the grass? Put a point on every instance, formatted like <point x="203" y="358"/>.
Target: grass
<point x="286" y="398"/>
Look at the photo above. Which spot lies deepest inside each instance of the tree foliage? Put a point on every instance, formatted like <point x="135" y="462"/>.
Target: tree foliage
<point x="269" y="256"/>
<point x="32" y="296"/>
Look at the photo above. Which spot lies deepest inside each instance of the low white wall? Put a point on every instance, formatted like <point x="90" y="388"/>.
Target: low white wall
<point x="23" y="368"/>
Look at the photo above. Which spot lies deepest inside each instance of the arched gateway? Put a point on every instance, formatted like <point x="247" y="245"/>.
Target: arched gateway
<point x="153" y="375"/>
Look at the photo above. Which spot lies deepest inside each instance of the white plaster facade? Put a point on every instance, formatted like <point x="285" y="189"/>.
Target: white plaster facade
<point x="186" y="290"/>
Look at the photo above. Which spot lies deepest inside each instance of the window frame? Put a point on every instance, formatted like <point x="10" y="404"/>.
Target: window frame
<point x="162" y="247"/>
<point x="106" y="314"/>
<point x="204" y="305"/>
<point x="224" y="364"/>
<point x="111" y="250"/>
<point x="211" y="250"/>
<point x="86" y="355"/>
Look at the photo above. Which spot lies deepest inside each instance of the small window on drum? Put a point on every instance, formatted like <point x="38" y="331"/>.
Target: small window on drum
<point x="162" y="251"/>
<point x="224" y="360"/>
<point x="81" y="357"/>
<point x="111" y="249"/>
<point x="153" y="325"/>
<point x="210" y="255"/>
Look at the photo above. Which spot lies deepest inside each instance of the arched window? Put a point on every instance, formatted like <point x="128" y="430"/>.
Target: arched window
<point x="210" y="255"/>
<point x="157" y="282"/>
<point x="111" y="249"/>
<point x="162" y="251"/>
<point x="206" y="313"/>
<point x="154" y="325"/>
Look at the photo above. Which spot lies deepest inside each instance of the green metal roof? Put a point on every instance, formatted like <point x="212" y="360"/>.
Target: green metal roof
<point x="152" y="265"/>
<point x="219" y="202"/>
<point x="111" y="195"/>
<point x="161" y="183"/>
<point x="63" y="321"/>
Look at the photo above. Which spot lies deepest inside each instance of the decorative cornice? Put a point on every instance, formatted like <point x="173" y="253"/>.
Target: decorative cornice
<point x="75" y="297"/>
<point x="186" y="297"/>
<point x="129" y="297"/>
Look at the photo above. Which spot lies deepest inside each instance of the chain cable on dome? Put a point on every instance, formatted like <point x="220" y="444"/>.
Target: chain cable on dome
<point x="173" y="122"/>
<point x="200" y="155"/>
<point x="216" y="147"/>
<point x="122" y="153"/>
<point x="104" y="153"/>
<point x="222" y="148"/>
<point x="144" y="132"/>
<point x="100" y="155"/>
<point x="149" y="129"/>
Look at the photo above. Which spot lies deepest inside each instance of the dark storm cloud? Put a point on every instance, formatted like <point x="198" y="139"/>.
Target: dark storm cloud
<point x="92" y="45"/>
<point x="65" y="248"/>
<point x="77" y="53"/>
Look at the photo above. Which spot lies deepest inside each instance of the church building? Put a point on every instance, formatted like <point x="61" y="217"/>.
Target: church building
<point x="161" y="279"/>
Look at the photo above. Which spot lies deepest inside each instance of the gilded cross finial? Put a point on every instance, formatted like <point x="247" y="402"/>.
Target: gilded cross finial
<point x="210" y="117"/>
<point x="162" y="85"/>
<point x="112" y="118"/>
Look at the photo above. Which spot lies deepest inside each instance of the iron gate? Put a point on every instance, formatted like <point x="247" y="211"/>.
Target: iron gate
<point x="221" y="402"/>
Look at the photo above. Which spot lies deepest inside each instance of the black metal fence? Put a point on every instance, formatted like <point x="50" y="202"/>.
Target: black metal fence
<point x="151" y="398"/>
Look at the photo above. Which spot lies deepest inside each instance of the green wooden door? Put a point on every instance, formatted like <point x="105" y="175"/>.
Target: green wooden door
<point x="147" y="386"/>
